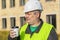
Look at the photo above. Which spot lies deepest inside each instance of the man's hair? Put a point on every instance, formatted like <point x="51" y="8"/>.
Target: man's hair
<point x="38" y="11"/>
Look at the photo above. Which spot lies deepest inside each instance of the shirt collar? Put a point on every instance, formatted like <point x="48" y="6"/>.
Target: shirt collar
<point x="28" y="31"/>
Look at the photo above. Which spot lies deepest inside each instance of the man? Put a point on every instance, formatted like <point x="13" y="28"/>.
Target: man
<point x="35" y="28"/>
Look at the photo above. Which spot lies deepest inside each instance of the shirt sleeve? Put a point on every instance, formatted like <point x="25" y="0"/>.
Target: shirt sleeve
<point x="53" y="35"/>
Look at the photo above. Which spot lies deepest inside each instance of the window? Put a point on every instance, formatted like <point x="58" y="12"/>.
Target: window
<point x="52" y="19"/>
<point x="4" y="23"/>
<point x="22" y="2"/>
<point x="13" y="21"/>
<point x="12" y="3"/>
<point x="22" y="21"/>
<point x="3" y="4"/>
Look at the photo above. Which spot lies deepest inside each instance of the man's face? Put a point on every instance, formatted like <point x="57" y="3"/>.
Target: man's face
<point x="31" y="17"/>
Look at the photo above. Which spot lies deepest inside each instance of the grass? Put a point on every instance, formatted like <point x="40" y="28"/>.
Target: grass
<point x="4" y="35"/>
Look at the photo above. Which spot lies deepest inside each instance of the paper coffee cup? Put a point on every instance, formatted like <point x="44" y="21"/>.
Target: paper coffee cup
<point x="16" y="30"/>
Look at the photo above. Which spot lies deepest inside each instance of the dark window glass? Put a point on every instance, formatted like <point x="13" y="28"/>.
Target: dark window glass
<point x="22" y="2"/>
<point x="22" y="21"/>
<point x="52" y="19"/>
<point x="3" y="4"/>
<point x="13" y="21"/>
<point x="12" y="3"/>
<point x="4" y="23"/>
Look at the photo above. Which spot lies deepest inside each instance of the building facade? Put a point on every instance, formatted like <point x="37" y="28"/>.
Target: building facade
<point x="11" y="13"/>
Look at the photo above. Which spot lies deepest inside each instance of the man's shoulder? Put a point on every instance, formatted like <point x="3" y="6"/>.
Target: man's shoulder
<point x="24" y="26"/>
<point x="53" y="35"/>
<point x="45" y="23"/>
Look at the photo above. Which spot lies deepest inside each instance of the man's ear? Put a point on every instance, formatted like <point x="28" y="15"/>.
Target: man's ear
<point x="38" y="14"/>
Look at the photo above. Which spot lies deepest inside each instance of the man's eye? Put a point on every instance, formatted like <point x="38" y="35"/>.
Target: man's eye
<point x="28" y="14"/>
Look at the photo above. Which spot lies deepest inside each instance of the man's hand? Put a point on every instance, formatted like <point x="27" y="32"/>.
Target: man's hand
<point x="12" y="33"/>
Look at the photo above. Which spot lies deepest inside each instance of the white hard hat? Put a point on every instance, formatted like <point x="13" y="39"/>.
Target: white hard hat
<point x="33" y="5"/>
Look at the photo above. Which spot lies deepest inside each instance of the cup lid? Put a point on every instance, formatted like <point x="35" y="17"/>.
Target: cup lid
<point x="15" y="27"/>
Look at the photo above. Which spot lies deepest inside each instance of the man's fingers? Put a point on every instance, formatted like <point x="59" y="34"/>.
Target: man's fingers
<point x="12" y="33"/>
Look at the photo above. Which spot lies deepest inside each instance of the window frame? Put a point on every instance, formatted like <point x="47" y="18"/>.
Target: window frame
<point x="3" y="4"/>
<point x="4" y="23"/>
<point x="22" y="2"/>
<point x="13" y="21"/>
<point x="12" y="3"/>
<point x="22" y="21"/>
<point x="51" y="17"/>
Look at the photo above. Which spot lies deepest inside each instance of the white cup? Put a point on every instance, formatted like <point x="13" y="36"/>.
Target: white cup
<point x="16" y="30"/>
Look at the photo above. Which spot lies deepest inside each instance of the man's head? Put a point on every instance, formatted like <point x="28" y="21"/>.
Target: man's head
<point x="32" y="16"/>
<point x="33" y="11"/>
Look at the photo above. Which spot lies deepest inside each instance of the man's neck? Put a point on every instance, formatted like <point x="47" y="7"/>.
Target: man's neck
<point x="36" y="24"/>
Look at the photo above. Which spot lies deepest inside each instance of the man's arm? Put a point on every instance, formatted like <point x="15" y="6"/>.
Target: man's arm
<point x="16" y="38"/>
<point x="53" y="35"/>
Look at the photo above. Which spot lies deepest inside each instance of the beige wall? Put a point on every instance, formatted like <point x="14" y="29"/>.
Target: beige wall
<point x="17" y="11"/>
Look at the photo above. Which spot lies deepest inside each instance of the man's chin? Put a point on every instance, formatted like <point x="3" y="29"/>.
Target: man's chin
<point x="29" y="22"/>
